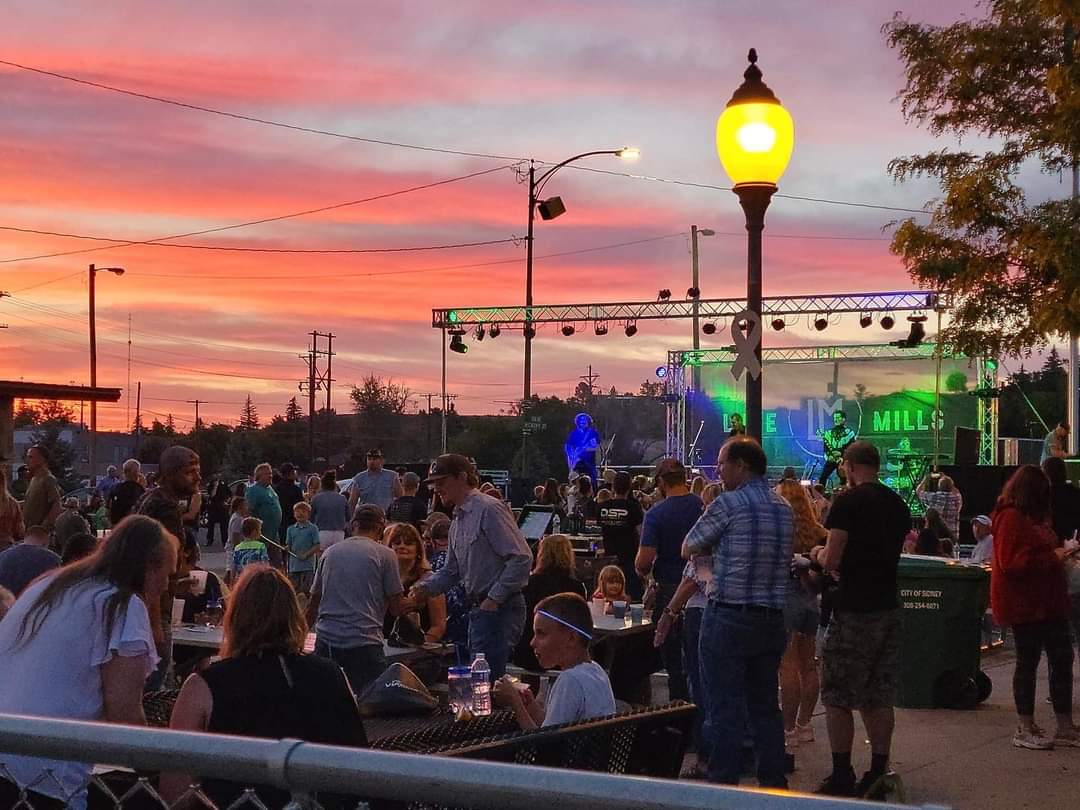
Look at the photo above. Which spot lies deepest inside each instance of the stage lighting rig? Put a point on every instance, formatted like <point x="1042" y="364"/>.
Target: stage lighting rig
<point x="631" y="328"/>
<point x="821" y="322"/>
<point x="778" y="324"/>
<point x="568" y="329"/>
<point x="456" y="343"/>
<point x="693" y="292"/>
<point x="600" y="328"/>
<point x="480" y="333"/>
<point x="866" y="320"/>
<point x="663" y="295"/>
<point x="493" y="330"/>
<point x="709" y="328"/>
<point x="887" y="321"/>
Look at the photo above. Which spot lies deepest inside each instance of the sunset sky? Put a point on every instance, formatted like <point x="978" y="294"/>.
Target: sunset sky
<point x="511" y="80"/>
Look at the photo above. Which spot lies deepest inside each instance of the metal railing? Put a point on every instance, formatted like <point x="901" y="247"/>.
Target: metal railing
<point x="305" y="768"/>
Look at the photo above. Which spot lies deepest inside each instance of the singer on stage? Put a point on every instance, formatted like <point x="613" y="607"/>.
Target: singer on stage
<point x="834" y="442"/>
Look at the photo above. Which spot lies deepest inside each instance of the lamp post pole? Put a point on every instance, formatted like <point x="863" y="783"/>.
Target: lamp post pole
<point x="754" y="199"/>
<point x="93" y="378"/>
<point x="754" y="139"/>
<point x="528" y="328"/>
<point x="535" y="186"/>
<point x="119" y="271"/>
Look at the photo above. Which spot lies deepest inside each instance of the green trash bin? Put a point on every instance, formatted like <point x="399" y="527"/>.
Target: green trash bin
<point x="942" y="605"/>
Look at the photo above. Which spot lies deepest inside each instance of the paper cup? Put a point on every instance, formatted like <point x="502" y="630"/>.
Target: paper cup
<point x="637" y="613"/>
<point x="198" y="582"/>
<point x="618" y="609"/>
<point x="177" y="612"/>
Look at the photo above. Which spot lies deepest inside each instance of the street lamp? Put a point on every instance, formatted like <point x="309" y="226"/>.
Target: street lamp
<point x="754" y="139"/>
<point x="119" y="271"/>
<point x="549" y="209"/>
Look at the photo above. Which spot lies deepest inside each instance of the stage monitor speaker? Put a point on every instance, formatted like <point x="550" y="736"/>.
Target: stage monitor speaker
<point x="965" y="446"/>
<point x="980" y="486"/>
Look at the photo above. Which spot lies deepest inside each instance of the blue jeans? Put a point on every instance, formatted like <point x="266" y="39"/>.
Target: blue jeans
<point x="740" y="655"/>
<point x="362" y="665"/>
<point x="495" y="633"/>
<point x="671" y="653"/>
<point x="691" y="633"/>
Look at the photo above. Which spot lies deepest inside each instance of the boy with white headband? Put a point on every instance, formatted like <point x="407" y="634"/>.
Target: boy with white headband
<point x="562" y="632"/>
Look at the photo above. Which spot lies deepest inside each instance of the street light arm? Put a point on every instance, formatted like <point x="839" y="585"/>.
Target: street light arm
<point x="540" y="181"/>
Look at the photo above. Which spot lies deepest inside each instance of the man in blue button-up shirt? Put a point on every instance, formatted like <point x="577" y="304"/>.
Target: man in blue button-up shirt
<point x="748" y="529"/>
<point x="488" y="555"/>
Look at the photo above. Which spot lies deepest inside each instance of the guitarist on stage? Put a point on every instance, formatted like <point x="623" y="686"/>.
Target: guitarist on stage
<point x="834" y="442"/>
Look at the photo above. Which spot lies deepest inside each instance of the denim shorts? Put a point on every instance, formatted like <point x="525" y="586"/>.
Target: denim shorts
<point x="801" y="614"/>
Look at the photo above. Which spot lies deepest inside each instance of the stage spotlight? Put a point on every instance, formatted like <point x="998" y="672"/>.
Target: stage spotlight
<point x="661" y="372"/>
<point x="493" y="330"/>
<point x="529" y="331"/>
<point x="693" y="292"/>
<point x="601" y="327"/>
<point x="865" y="320"/>
<point x="915" y="335"/>
<point x="742" y="326"/>
<point x="663" y="295"/>
<point x="458" y="345"/>
<point x="709" y="328"/>
<point x="480" y="331"/>
<point x="887" y="321"/>
<point x="568" y="329"/>
<point x="820" y="323"/>
<point x="778" y="324"/>
<point x="631" y="328"/>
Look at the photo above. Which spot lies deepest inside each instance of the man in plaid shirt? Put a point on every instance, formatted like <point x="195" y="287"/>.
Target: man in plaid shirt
<point x="748" y="530"/>
<point x="947" y="500"/>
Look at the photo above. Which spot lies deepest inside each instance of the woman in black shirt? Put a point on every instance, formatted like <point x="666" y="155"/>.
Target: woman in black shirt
<point x="554" y="573"/>
<point x="264" y="687"/>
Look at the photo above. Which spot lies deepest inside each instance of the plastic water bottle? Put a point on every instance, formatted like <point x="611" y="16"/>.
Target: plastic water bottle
<point x="556" y="524"/>
<point x="481" y="686"/>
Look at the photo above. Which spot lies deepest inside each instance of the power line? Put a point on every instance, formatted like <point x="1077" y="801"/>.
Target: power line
<point x="239" y="249"/>
<point x="418" y="147"/>
<point x="219" y="229"/>
<point x="50" y="281"/>
<point x="254" y="119"/>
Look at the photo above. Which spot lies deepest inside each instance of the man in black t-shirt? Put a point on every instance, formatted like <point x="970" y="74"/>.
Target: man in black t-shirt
<point x="860" y="662"/>
<point x="289" y="495"/>
<point x="410" y="507"/>
<point x="620" y="522"/>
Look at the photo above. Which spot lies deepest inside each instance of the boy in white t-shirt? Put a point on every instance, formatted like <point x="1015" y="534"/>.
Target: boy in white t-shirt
<point x="562" y="631"/>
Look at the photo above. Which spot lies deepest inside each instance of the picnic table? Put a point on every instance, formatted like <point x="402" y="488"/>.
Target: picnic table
<point x="209" y="638"/>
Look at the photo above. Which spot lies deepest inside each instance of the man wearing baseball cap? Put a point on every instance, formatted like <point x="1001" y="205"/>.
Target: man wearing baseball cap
<point x="488" y="555"/>
<point x="374" y="485"/>
<point x="984" y="541"/>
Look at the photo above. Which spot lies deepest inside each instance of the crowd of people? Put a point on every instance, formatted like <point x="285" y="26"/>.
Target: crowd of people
<point x="740" y="574"/>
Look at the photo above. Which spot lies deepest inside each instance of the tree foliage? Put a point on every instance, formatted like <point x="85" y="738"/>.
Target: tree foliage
<point x="1010" y="264"/>
<point x="249" y="415"/>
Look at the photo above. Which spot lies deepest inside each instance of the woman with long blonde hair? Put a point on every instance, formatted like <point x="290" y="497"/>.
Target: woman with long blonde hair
<point x="553" y="573"/>
<point x="799" y="683"/>
<point x="264" y="686"/>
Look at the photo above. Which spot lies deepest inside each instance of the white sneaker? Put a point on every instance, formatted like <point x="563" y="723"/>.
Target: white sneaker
<point x="791" y="740"/>
<point x="1068" y="737"/>
<point x="806" y="733"/>
<point x="1034" y="740"/>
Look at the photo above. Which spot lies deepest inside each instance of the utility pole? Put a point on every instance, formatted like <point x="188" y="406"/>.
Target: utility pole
<point x="196" y="403"/>
<point x="591" y="379"/>
<point x="138" y="417"/>
<point x="317" y="381"/>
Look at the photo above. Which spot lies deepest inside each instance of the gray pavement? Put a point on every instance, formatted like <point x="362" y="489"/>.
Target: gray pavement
<point x="965" y="759"/>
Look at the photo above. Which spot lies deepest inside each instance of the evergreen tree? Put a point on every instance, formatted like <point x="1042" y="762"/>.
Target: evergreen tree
<point x="249" y="416"/>
<point x="293" y="413"/>
<point x="1010" y="264"/>
<point x="170" y="425"/>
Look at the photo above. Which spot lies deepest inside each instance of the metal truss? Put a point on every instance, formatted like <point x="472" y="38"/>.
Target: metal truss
<point x="681" y="360"/>
<point x="987" y="371"/>
<point x="803" y="354"/>
<point x="908" y="301"/>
